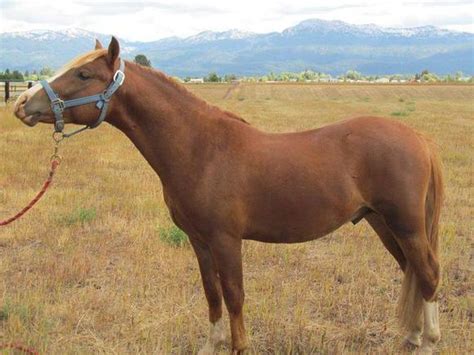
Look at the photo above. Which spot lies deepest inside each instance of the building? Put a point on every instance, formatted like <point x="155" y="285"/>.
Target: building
<point x="196" y="80"/>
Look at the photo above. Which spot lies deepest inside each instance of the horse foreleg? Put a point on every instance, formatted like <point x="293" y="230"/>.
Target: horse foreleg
<point x="213" y="291"/>
<point x="227" y="253"/>
<point x="423" y="261"/>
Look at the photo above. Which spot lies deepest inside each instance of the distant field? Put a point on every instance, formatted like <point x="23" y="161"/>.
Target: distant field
<point x="91" y="268"/>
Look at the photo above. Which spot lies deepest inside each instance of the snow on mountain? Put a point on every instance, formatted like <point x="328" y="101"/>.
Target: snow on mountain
<point x="208" y="36"/>
<point x="327" y="46"/>
<point x="50" y="35"/>
<point x="316" y="26"/>
<point x="325" y="27"/>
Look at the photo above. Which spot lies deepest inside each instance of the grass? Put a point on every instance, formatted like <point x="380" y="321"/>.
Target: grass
<point x="399" y="113"/>
<point x="79" y="216"/>
<point x="409" y="107"/>
<point x="95" y="267"/>
<point x="173" y="236"/>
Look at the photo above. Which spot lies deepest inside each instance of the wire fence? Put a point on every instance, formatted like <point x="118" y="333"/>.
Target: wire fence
<point x="12" y="89"/>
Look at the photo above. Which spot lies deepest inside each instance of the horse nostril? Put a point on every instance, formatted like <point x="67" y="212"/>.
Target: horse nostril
<point x="22" y="100"/>
<point x="20" y="105"/>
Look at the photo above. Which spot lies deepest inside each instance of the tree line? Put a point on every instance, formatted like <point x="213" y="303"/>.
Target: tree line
<point x="303" y="76"/>
<point x="424" y="76"/>
<point x="34" y="75"/>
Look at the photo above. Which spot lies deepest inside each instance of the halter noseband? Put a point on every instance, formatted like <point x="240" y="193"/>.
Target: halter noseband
<point x="101" y="100"/>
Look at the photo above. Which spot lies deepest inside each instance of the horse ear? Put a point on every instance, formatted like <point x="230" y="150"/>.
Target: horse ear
<point x="98" y="45"/>
<point x="114" y="51"/>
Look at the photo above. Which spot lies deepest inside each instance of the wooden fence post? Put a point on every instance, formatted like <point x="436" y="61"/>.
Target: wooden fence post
<point x="7" y="90"/>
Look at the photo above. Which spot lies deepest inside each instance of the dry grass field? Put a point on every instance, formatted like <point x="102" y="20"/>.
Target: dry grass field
<point x="93" y="268"/>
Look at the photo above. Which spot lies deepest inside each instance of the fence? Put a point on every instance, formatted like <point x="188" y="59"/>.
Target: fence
<point x="12" y="89"/>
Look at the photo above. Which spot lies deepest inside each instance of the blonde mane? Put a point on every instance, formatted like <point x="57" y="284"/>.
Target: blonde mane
<point x="80" y="60"/>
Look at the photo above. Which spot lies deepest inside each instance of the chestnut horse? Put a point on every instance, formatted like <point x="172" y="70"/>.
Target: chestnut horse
<point x="225" y="181"/>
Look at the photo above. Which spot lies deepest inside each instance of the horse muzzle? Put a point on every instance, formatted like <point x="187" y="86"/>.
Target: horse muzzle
<point x="30" y="110"/>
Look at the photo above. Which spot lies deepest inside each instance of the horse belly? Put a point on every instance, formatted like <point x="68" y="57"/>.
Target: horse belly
<point x="298" y="217"/>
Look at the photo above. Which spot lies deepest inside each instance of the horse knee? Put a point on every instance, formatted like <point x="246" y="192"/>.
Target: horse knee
<point x="429" y="282"/>
<point x="234" y="297"/>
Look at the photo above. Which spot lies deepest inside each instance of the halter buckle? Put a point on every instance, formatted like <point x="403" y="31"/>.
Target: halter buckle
<point x="122" y="76"/>
<point x="57" y="105"/>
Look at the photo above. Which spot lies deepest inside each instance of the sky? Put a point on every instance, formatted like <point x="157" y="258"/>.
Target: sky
<point x="149" y="20"/>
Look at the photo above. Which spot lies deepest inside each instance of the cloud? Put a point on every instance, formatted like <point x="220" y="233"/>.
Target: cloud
<point x="120" y="7"/>
<point x="148" y="20"/>
<point x="307" y="10"/>
<point x="439" y="3"/>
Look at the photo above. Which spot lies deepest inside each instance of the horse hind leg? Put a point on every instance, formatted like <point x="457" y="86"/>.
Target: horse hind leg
<point x="378" y="224"/>
<point x="431" y="331"/>
<point x="387" y="237"/>
<point x="422" y="277"/>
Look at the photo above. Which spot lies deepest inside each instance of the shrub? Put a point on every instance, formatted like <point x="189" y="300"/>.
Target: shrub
<point x="173" y="236"/>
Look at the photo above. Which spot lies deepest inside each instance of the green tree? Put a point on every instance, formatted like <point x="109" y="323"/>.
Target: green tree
<point x="142" y="60"/>
<point x="353" y="75"/>
<point x="459" y="75"/>
<point x="16" y="75"/>
<point x="8" y="75"/>
<point x="213" y="78"/>
<point x="429" y="77"/>
<point x="229" y="78"/>
<point x="46" y="71"/>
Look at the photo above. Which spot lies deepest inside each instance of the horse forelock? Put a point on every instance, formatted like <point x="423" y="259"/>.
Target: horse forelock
<point x="79" y="61"/>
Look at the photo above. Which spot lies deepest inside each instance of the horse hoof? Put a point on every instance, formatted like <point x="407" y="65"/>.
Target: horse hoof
<point x="425" y="350"/>
<point x="207" y="350"/>
<point x="412" y="340"/>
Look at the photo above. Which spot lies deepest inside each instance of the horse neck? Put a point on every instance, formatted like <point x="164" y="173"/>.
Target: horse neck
<point x="172" y="128"/>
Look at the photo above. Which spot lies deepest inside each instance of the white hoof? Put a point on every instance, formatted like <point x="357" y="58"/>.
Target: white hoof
<point x="413" y="339"/>
<point x="425" y="350"/>
<point x="431" y="333"/>
<point x="216" y="337"/>
<point x="208" y="349"/>
<point x="429" y="344"/>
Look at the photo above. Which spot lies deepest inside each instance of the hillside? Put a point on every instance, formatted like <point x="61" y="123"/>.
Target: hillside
<point x="327" y="46"/>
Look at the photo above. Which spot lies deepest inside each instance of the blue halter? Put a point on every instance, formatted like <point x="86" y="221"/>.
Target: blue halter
<point x="101" y="100"/>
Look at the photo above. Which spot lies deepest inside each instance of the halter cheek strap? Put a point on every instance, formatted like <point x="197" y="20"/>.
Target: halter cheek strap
<point x="101" y="101"/>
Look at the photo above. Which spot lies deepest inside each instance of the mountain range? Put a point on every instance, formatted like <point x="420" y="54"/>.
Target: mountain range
<point x="326" y="46"/>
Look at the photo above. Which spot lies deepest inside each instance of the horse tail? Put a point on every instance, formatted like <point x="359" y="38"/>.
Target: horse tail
<point x="434" y="200"/>
<point x="410" y="304"/>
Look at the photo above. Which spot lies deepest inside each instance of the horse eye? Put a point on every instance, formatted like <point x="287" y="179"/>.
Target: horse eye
<point x="83" y="75"/>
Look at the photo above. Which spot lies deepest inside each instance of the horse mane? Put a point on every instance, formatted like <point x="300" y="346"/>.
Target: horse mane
<point x="81" y="60"/>
<point x="235" y="116"/>
<point x="184" y="91"/>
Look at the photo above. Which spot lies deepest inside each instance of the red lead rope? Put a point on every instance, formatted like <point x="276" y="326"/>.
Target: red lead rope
<point x="47" y="183"/>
